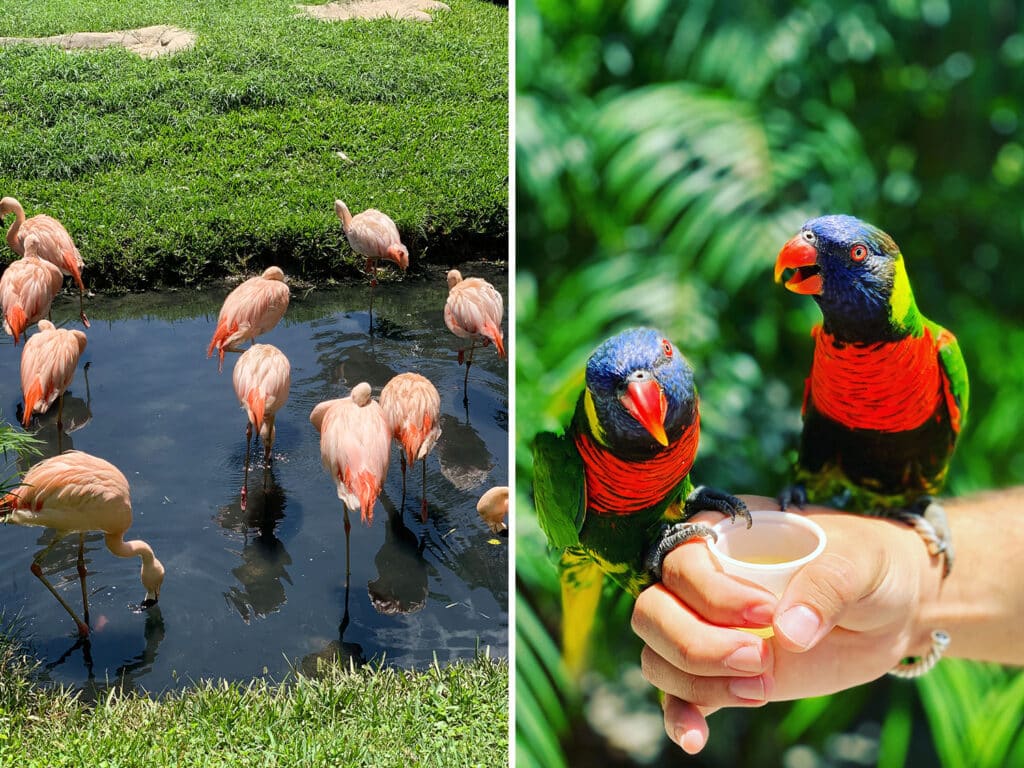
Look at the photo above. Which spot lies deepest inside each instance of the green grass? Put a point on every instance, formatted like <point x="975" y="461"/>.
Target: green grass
<point x="225" y="158"/>
<point x="441" y="716"/>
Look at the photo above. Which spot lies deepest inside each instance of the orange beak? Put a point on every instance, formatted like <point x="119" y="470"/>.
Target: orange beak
<point x="646" y="403"/>
<point x="800" y="255"/>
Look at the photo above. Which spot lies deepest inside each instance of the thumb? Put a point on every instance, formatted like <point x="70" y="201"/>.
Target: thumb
<point x="815" y="600"/>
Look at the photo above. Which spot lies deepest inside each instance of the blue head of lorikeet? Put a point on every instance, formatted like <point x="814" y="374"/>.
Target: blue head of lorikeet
<point x="853" y="270"/>
<point x="640" y="393"/>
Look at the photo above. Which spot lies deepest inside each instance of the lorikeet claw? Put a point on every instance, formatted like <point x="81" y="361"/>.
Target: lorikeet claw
<point x="792" y="494"/>
<point x="928" y="518"/>
<point x="672" y="536"/>
<point x="703" y="498"/>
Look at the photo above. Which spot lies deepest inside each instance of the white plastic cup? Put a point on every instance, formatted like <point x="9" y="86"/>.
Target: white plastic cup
<point x="768" y="553"/>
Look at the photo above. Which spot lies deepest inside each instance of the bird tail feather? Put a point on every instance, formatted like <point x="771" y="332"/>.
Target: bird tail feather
<point x="493" y="332"/>
<point x="256" y="403"/>
<point x="32" y="396"/>
<point x="18" y="321"/>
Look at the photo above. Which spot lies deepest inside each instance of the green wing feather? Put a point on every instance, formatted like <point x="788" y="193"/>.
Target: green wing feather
<point x="559" y="493"/>
<point x="954" y="368"/>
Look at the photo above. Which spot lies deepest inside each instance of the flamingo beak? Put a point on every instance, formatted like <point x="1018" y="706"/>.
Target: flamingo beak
<point x="646" y="403"/>
<point x="799" y="255"/>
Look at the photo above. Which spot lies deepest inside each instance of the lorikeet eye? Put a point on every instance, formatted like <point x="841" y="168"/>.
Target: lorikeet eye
<point x="809" y="236"/>
<point x="858" y="252"/>
<point x="666" y="347"/>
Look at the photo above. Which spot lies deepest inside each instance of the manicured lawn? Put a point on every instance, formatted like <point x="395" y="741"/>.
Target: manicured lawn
<point x="450" y="716"/>
<point x="229" y="156"/>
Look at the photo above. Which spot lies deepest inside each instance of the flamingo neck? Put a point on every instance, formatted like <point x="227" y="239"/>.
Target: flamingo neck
<point x="152" y="569"/>
<point x="346" y="217"/>
<point x="12" y="233"/>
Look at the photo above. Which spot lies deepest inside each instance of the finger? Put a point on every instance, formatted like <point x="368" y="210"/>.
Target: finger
<point x="817" y="597"/>
<point x="692" y="645"/>
<point x="704" y="691"/>
<point x="692" y="574"/>
<point x="686" y="725"/>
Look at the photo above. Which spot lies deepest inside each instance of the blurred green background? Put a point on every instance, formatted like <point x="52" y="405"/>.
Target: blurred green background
<point x="665" y="151"/>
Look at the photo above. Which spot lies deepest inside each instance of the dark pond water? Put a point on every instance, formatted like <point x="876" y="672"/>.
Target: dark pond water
<point x="261" y="591"/>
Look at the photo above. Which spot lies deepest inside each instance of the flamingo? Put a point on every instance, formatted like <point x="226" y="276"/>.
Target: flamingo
<point x="262" y="378"/>
<point x="48" y="365"/>
<point x="27" y="288"/>
<point x="254" y="307"/>
<point x="45" y="237"/>
<point x="75" y="493"/>
<point x="493" y="509"/>
<point x="355" y="447"/>
<point x="473" y="311"/>
<point x="373" y="235"/>
<point x="412" y="406"/>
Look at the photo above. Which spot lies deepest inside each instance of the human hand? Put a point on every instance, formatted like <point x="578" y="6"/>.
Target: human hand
<point x="846" y="618"/>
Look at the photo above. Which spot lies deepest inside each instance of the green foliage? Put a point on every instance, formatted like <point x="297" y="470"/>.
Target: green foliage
<point x="229" y="156"/>
<point x="665" y="151"/>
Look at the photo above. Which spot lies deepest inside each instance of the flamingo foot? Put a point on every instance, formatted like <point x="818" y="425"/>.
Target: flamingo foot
<point x="423" y="511"/>
<point x="85" y="320"/>
<point x="462" y="356"/>
<point x="244" y="497"/>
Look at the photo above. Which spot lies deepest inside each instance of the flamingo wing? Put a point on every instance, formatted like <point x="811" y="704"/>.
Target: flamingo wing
<point x="72" y="492"/>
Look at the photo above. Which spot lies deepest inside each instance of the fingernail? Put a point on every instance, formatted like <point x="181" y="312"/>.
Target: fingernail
<point x="745" y="659"/>
<point x="800" y="625"/>
<point x="759" y="615"/>
<point x="750" y="688"/>
<point x="691" y="741"/>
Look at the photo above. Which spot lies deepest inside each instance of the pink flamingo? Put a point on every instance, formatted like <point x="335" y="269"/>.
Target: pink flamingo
<point x="355" y="447"/>
<point x="493" y="509"/>
<point x="473" y="311"/>
<point x="262" y="379"/>
<point x="45" y="237"/>
<point x="254" y="307"/>
<point x="27" y="288"/>
<point x="373" y="235"/>
<point x="48" y="365"/>
<point x="412" y="406"/>
<point x="74" y="493"/>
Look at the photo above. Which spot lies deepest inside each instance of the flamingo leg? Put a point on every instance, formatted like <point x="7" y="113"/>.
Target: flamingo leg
<point x="37" y="571"/>
<point x="423" y="507"/>
<point x="348" y="549"/>
<point x="60" y="413"/>
<point x="465" y="381"/>
<point x="245" y="477"/>
<point x="267" y="459"/>
<point x="81" y="576"/>
<point x="81" y="309"/>
<point x="401" y="457"/>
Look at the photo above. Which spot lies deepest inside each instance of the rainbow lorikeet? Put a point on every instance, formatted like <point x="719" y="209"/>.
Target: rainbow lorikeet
<point x="614" y="492"/>
<point x="888" y="391"/>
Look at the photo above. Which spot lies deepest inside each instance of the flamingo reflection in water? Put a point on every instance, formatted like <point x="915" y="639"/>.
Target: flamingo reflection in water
<point x="262" y="572"/>
<point x="75" y="493"/>
<point x="402" y="582"/>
